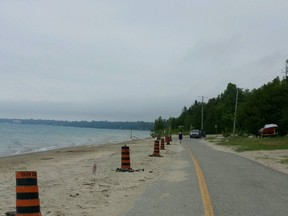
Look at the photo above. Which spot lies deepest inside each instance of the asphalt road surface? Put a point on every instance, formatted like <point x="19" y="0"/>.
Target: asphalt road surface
<point x="204" y="181"/>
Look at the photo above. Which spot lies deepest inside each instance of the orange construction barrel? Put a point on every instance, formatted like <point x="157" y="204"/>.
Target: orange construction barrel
<point x="125" y="158"/>
<point x="162" y="146"/>
<point x="156" y="152"/>
<point x="27" y="194"/>
<point x="167" y="140"/>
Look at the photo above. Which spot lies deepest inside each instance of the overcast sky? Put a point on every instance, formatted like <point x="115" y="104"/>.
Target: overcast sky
<point x="133" y="60"/>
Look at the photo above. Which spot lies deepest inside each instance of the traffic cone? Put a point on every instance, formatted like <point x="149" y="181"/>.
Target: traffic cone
<point x="162" y="146"/>
<point x="156" y="152"/>
<point x="125" y="160"/>
<point x="27" y="195"/>
<point x="167" y="140"/>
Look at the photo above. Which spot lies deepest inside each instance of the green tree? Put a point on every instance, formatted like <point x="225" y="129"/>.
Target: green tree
<point x="265" y="105"/>
<point x="159" y="124"/>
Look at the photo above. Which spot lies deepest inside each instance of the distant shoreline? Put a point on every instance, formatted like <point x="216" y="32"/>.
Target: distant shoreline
<point x="120" y="125"/>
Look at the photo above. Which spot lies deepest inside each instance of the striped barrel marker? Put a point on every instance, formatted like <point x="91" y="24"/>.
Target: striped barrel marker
<point x="156" y="152"/>
<point x="125" y="158"/>
<point x="27" y="194"/>
<point x="162" y="146"/>
<point x="167" y="140"/>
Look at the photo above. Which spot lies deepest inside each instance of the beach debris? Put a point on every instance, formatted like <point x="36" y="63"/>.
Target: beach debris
<point x="12" y="213"/>
<point x="27" y="195"/>
<point x="94" y="169"/>
<point x="48" y="158"/>
<point x="75" y="195"/>
<point x="89" y="184"/>
<point x="104" y="185"/>
<point x="124" y="170"/>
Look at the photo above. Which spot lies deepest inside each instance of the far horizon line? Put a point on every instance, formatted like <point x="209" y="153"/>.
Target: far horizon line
<point x="40" y="119"/>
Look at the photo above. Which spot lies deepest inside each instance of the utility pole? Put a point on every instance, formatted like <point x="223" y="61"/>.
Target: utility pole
<point x="202" y="112"/>
<point x="235" y="113"/>
<point x="286" y="71"/>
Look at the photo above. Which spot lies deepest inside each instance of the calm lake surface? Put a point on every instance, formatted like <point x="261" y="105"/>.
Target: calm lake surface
<point x="20" y="138"/>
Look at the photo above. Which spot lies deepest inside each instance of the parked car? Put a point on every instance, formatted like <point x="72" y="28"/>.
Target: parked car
<point x="195" y="133"/>
<point x="268" y="130"/>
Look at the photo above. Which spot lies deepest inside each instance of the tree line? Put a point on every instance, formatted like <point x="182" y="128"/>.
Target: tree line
<point x="265" y="105"/>
<point x="139" y="125"/>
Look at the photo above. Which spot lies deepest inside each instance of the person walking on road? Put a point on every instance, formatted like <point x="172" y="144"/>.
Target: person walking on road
<point x="180" y="136"/>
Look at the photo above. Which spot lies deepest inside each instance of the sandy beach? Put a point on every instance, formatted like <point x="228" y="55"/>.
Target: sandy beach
<point x="69" y="186"/>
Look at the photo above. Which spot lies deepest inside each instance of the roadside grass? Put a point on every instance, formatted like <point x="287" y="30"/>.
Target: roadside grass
<point x="285" y="160"/>
<point x="253" y="144"/>
<point x="214" y="139"/>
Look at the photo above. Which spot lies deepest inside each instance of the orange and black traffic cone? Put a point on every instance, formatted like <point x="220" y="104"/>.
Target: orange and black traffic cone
<point x="167" y="140"/>
<point x="27" y="195"/>
<point x="162" y="146"/>
<point x="156" y="152"/>
<point x="125" y="160"/>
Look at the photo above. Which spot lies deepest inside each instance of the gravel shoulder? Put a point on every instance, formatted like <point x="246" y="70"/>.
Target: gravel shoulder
<point x="276" y="159"/>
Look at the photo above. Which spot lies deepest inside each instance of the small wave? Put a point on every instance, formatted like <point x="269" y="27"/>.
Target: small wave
<point x="45" y="149"/>
<point x="27" y="138"/>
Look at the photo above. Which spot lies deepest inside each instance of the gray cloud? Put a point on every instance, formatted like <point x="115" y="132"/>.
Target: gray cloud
<point x="132" y="60"/>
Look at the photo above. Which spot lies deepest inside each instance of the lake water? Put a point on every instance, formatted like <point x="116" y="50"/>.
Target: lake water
<point x="19" y="138"/>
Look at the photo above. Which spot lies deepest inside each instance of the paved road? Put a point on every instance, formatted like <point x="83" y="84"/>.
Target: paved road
<point x="234" y="186"/>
